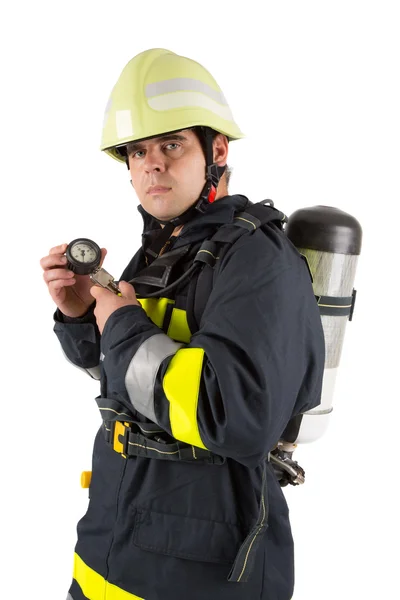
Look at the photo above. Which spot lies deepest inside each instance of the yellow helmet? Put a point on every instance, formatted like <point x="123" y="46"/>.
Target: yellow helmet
<point x="159" y="92"/>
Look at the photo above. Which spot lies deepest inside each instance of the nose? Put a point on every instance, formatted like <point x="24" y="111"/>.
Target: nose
<point x="154" y="161"/>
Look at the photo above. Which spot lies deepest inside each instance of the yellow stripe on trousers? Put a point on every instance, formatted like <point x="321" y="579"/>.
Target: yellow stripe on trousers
<point x="95" y="587"/>
<point x="181" y="385"/>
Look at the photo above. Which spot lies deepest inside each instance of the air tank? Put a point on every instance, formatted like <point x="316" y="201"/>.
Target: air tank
<point x="330" y="240"/>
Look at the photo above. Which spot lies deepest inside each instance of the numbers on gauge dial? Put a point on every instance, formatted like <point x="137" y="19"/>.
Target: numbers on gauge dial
<point x="84" y="253"/>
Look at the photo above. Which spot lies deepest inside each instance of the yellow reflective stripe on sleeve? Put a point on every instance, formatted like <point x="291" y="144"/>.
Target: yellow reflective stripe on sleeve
<point x="181" y="385"/>
<point x="178" y="327"/>
<point x="95" y="587"/>
<point x="155" y="308"/>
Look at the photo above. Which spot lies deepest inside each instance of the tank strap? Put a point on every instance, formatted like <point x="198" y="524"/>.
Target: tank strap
<point x="337" y="306"/>
<point x="245" y="558"/>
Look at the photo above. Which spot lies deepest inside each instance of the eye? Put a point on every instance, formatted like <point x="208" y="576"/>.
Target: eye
<point x="138" y="154"/>
<point x="174" y="144"/>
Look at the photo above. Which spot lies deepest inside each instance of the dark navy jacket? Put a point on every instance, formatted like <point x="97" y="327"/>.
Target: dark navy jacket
<point x="170" y="529"/>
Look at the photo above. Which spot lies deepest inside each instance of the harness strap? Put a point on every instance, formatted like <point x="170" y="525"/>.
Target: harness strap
<point x="128" y="439"/>
<point x="245" y="222"/>
<point x="153" y="251"/>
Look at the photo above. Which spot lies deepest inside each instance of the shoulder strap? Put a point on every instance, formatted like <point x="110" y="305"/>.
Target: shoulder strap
<point x="246" y="222"/>
<point x="255" y="216"/>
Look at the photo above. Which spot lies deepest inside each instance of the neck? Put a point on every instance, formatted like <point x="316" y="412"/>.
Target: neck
<point x="177" y="230"/>
<point x="222" y="191"/>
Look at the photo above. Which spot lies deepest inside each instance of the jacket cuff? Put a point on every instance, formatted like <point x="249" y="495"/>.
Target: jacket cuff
<point x="88" y="317"/>
<point x="125" y="323"/>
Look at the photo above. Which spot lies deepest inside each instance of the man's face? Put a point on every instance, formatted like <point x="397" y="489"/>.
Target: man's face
<point x="168" y="173"/>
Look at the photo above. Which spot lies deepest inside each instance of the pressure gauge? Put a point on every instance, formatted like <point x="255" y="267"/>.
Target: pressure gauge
<point x="83" y="256"/>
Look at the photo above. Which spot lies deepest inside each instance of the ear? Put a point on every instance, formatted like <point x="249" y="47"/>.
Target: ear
<point x="220" y="149"/>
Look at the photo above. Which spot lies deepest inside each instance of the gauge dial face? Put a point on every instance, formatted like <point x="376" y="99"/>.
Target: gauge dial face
<point x="83" y="252"/>
<point x="83" y="256"/>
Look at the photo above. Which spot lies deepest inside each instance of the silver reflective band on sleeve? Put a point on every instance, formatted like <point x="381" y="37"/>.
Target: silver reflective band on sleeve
<point x="94" y="372"/>
<point x="142" y="372"/>
<point x="69" y="597"/>
<point x="183" y="84"/>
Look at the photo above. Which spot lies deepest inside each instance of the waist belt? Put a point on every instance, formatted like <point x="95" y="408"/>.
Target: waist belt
<point x="132" y="438"/>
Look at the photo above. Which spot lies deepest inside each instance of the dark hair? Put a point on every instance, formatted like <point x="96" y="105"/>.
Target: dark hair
<point x="228" y="173"/>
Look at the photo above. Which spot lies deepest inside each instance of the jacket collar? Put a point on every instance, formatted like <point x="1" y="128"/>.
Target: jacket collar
<point x="220" y="212"/>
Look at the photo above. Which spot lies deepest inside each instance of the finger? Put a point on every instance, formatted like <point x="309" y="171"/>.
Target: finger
<point x="53" y="260"/>
<point x="94" y="290"/>
<point x="125" y="288"/>
<point x="98" y="291"/>
<point x="58" y="284"/>
<point x="53" y="274"/>
<point x="58" y="249"/>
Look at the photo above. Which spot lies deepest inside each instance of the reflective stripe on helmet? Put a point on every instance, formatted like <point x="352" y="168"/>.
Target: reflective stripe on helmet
<point x="190" y="99"/>
<point x="123" y="122"/>
<point x="184" y="92"/>
<point x="183" y="84"/>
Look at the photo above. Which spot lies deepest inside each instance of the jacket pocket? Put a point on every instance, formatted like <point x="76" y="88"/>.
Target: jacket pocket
<point x="187" y="537"/>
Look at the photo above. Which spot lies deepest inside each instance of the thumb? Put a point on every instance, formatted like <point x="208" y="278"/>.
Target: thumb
<point x="127" y="289"/>
<point x="94" y="289"/>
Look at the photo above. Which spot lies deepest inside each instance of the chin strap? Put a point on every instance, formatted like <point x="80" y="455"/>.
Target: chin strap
<point x="213" y="173"/>
<point x="209" y="191"/>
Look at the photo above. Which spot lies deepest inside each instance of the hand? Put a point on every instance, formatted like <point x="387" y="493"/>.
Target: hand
<point x="70" y="292"/>
<point x="107" y="302"/>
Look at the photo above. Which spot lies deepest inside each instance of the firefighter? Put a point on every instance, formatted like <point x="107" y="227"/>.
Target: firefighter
<point x="196" y="384"/>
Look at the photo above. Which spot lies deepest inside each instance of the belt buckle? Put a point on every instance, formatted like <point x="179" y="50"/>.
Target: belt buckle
<point x="120" y="429"/>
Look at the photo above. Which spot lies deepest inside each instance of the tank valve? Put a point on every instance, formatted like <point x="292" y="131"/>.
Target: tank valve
<point x="286" y="469"/>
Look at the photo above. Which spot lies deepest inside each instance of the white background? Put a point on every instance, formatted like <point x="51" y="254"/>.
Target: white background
<point x="315" y="86"/>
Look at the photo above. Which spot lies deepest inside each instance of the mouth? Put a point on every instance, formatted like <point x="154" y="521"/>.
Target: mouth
<point x="155" y="190"/>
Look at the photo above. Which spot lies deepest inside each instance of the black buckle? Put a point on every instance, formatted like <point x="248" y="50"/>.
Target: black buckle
<point x="213" y="174"/>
